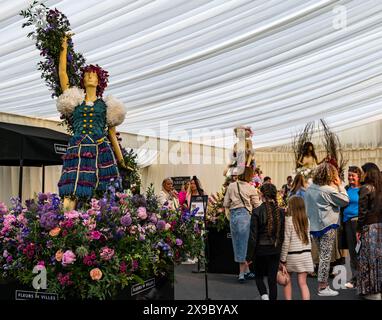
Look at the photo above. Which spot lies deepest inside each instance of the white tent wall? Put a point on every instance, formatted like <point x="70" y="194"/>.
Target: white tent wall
<point x="361" y="144"/>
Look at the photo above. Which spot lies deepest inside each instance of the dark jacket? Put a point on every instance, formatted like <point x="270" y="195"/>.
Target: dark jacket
<point x="259" y="242"/>
<point x="369" y="211"/>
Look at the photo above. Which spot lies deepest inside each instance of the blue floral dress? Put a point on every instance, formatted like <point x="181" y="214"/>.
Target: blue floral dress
<point x="89" y="163"/>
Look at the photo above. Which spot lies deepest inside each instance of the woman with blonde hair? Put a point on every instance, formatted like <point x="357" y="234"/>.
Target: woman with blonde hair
<point x="323" y="200"/>
<point x="296" y="250"/>
<point x="169" y="196"/>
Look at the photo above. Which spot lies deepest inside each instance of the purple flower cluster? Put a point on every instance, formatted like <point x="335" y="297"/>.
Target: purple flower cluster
<point x="49" y="220"/>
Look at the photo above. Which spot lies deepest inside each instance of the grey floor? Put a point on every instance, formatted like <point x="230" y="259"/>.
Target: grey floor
<point x="191" y="286"/>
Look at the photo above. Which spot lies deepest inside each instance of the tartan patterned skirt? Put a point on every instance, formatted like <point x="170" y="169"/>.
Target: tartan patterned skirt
<point x="89" y="165"/>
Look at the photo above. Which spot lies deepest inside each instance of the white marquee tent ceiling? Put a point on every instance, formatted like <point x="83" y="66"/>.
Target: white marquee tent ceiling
<point x="202" y="64"/>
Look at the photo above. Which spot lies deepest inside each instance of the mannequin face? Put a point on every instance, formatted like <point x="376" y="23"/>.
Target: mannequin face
<point x="90" y="79"/>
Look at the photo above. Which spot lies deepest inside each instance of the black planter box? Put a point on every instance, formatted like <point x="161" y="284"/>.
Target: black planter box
<point x="155" y="288"/>
<point x="220" y="252"/>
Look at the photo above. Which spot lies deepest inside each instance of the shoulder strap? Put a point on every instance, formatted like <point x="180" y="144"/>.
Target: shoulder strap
<point x="238" y="189"/>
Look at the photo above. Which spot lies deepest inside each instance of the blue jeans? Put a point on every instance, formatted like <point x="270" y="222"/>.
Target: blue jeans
<point x="240" y="225"/>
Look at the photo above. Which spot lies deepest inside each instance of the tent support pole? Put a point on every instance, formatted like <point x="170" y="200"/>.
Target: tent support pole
<point x="21" y="179"/>
<point x="43" y="178"/>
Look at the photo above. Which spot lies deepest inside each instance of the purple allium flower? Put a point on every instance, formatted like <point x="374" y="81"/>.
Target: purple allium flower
<point x="161" y="225"/>
<point x="114" y="209"/>
<point x="126" y="220"/>
<point x="154" y="218"/>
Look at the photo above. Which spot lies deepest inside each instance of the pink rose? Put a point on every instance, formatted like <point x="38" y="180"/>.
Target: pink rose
<point x="68" y="258"/>
<point x="95" y="235"/>
<point x="95" y="204"/>
<point x="167" y="226"/>
<point x="72" y="214"/>
<point x="121" y="195"/>
<point x="142" y="214"/>
<point x="106" y="253"/>
<point x="91" y="212"/>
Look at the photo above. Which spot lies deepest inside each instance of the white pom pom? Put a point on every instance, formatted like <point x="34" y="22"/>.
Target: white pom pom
<point x="116" y="111"/>
<point x="70" y="99"/>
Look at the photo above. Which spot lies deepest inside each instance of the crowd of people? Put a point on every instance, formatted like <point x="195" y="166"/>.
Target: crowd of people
<point x="305" y="232"/>
<point x="311" y="226"/>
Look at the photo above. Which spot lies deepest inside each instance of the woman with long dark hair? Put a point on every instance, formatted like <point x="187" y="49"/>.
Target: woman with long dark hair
<point x="296" y="250"/>
<point x="299" y="186"/>
<point x="369" y="232"/>
<point x="265" y="241"/>
<point x="194" y="189"/>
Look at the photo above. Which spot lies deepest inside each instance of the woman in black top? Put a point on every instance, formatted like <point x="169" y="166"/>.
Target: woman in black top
<point x="369" y="232"/>
<point x="265" y="241"/>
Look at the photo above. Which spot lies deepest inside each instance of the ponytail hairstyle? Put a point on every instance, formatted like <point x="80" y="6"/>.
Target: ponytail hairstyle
<point x="296" y="208"/>
<point x="269" y="192"/>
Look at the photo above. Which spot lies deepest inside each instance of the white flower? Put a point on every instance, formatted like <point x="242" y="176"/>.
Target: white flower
<point x="116" y="111"/>
<point x="70" y="99"/>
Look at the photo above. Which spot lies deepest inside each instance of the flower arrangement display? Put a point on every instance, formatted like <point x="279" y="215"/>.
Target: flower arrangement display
<point x="131" y="177"/>
<point x="97" y="249"/>
<point x="50" y="27"/>
<point x="215" y="217"/>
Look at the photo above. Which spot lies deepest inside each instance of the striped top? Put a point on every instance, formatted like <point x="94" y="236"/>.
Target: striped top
<point x="292" y="244"/>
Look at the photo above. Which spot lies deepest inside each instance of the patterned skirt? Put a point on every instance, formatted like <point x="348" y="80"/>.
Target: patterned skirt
<point x="369" y="278"/>
<point x="89" y="165"/>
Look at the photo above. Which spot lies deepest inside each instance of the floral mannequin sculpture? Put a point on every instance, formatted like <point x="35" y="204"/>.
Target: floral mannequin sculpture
<point x="89" y="163"/>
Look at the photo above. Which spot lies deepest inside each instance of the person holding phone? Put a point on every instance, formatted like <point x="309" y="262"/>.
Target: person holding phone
<point x="323" y="200"/>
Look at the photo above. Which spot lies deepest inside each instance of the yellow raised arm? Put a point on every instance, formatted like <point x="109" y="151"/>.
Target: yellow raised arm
<point x="116" y="148"/>
<point x="64" y="79"/>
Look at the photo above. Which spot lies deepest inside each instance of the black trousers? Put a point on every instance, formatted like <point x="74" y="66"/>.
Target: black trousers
<point x="351" y="239"/>
<point x="267" y="265"/>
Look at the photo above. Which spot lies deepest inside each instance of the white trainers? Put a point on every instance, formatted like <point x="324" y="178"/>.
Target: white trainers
<point x="327" y="292"/>
<point x="264" y="297"/>
<point x="349" y="285"/>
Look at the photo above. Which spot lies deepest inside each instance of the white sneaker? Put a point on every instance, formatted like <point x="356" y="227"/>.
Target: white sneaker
<point x="376" y="296"/>
<point x="349" y="285"/>
<point x="327" y="292"/>
<point x="264" y="297"/>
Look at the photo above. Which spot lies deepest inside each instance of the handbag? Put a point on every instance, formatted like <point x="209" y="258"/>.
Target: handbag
<point x="283" y="278"/>
<point x="228" y="214"/>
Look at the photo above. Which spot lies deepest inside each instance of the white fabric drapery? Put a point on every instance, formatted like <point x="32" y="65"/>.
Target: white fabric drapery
<point x="212" y="65"/>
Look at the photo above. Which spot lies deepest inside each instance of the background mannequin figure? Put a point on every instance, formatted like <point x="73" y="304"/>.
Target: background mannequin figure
<point x="243" y="155"/>
<point x="308" y="158"/>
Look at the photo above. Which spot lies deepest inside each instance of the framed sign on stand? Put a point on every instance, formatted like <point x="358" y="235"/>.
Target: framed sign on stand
<point x="200" y="203"/>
